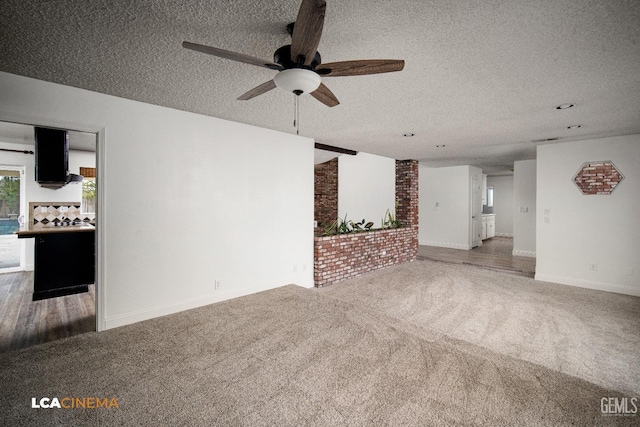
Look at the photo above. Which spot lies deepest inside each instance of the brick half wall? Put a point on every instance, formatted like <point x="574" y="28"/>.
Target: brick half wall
<point x="343" y="256"/>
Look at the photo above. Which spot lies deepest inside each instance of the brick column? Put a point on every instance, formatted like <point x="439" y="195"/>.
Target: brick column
<point x="326" y="193"/>
<point x="407" y="199"/>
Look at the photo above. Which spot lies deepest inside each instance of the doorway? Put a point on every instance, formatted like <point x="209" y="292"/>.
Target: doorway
<point x="11" y="216"/>
<point x="24" y="322"/>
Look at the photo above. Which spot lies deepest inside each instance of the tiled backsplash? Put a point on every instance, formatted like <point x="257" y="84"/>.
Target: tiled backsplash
<point x="47" y="212"/>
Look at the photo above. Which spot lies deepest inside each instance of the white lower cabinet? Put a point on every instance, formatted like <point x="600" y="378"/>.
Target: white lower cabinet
<point x="484" y="227"/>
<point x="488" y="226"/>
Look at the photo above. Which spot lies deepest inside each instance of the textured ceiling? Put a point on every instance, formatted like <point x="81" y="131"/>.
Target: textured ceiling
<point x="482" y="78"/>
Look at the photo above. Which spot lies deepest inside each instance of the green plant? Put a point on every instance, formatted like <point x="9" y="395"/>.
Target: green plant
<point x="390" y="221"/>
<point x="344" y="226"/>
<point x="356" y="226"/>
<point x="339" y="226"/>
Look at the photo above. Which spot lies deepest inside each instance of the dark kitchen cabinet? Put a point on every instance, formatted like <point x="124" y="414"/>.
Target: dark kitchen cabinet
<point x="64" y="264"/>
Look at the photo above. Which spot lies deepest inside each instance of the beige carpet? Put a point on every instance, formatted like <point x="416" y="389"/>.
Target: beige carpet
<point x="291" y="357"/>
<point x="589" y="334"/>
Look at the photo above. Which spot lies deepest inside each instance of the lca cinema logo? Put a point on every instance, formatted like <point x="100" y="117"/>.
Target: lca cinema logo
<point x="619" y="406"/>
<point x="74" y="403"/>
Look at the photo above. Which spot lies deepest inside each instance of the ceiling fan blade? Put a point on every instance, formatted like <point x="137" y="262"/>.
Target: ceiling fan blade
<point x="227" y="54"/>
<point x="324" y="95"/>
<point x="307" y="30"/>
<point x="360" y="67"/>
<point x="258" y="90"/>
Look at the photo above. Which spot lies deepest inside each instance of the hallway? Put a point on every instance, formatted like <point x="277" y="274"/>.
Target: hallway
<point x="495" y="253"/>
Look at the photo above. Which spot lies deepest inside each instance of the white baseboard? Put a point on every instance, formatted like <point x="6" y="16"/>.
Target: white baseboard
<point x="504" y="235"/>
<point x="139" y="316"/>
<point x="590" y="284"/>
<point x="446" y="245"/>
<point x="518" y="252"/>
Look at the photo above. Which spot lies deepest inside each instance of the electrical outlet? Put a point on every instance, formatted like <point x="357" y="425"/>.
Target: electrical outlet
<point x="593" y="266"/>
<point x="295" y="268"/>
<point x="216" y="284"/>
<point x="524" y="209"/>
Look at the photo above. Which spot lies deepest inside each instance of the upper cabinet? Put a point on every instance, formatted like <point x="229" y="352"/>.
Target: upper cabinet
<point x="52" y="158"/>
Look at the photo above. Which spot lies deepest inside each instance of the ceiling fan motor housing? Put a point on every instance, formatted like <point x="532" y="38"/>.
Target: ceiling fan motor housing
<point x="282" y="56"/>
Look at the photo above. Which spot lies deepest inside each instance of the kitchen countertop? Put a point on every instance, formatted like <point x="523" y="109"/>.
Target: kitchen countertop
<point x="33" y="230"/>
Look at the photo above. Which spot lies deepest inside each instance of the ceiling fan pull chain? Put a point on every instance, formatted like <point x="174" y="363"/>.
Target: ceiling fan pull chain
<point x="296" y="114"/>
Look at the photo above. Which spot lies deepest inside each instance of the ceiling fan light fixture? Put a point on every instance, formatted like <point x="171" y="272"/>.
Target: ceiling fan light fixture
<point x="297" y="80"/>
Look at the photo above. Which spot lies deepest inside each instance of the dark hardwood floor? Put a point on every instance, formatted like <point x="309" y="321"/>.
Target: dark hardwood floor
<point x="495" y="253"/>
<point x="24" y="322"/>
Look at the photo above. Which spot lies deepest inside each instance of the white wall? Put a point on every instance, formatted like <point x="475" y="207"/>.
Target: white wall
<point x="444" y="206"/>
<point x="524" y="208"/>
<point x="589" y="241"/>
<point x="366" y="187"/>
<point x="35" y="193"/>
<point x="502" y="203"/>
<point x="185" y="200"/>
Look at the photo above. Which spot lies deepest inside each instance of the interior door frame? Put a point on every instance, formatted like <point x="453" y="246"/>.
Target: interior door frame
<point x="100" y="131"/>
<point x="474" y="229"/>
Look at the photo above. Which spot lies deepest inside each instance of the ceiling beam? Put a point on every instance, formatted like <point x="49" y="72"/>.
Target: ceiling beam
<point x="335" y="149"/>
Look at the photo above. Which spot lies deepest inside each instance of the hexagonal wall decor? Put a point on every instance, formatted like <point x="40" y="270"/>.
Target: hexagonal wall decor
<point x="597" y="178"/>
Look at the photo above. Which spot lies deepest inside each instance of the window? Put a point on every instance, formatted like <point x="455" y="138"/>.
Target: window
<point x="88" y="204"/>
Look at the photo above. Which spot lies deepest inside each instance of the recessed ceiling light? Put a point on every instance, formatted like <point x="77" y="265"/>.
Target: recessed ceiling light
<point x="565" y="106"/>
<point x="574" y="127"/>
<point x="409" y="134"/>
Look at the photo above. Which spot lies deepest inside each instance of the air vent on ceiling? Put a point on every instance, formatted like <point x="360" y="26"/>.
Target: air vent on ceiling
<point x="545" y="140"/>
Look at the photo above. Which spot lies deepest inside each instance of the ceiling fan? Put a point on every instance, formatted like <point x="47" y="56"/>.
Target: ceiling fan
<point x="299" y="65"/>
